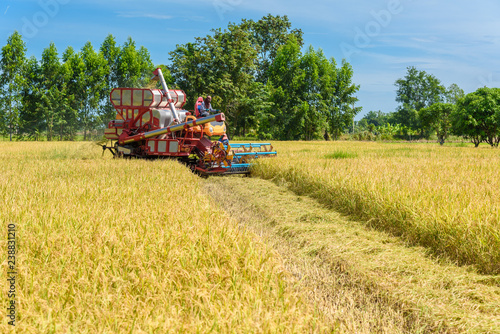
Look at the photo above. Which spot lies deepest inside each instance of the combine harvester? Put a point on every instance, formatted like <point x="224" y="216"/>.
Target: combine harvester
<point x="148" y="124"/>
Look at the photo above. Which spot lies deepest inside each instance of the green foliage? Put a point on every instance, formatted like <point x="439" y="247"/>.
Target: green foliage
<point x="110" y="51"/>
<point x="256" y="73"/>
<point x="62" y="96"/>
<point x="343" y="111"/>
<point x="75" y="69"/>
<point x="477" y="117"/>
<point x="437" y="117"/>
<point x="267" y="35"/>
<point x="341" y="155"/>
<point x="52" y="91"/>
<point x="223" y="65"/>
<point x="134" y="67"/>
<point x="31" y="120"/>
<point x="454" y="94"/>
<point x="12" y="82"/>
<point x="284" y="85"/>
<point x="415" y="91"/>
<point x="189" y="70"/>
<point x="259" y="77"/>
<point x="93" y="88"/>
<point x="309" y="93"/>
<point x="230" y="65"/>
<point x="376" y="118"/>
<point x="389" y="131"/>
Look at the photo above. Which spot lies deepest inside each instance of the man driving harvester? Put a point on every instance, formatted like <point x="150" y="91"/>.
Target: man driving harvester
<point x="204" y="108"/>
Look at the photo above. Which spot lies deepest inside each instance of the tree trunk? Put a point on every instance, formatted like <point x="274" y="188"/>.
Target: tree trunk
<point x="10" y="121"/>
<point x="326" y="136"/>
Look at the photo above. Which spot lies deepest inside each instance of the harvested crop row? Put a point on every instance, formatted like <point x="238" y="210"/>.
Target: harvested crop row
<point x="133" y="246"/>
<point x="364" y="280"/>
<point x="443" y="198"/>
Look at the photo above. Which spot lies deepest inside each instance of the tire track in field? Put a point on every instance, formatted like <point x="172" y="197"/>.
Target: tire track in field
<point x="364" y="281"/>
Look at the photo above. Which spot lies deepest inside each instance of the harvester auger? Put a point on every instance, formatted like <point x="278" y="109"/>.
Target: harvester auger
<point x="149" y="125"/>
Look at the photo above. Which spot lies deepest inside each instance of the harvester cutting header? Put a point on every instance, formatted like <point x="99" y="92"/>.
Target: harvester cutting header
<point x="151" y="123"/>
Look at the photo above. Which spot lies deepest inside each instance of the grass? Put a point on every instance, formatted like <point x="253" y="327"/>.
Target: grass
<point x="364" y="280"/>
<point x="111" y="246"/>
<point x="446" y="199"/>
<point x="341" y="155"/>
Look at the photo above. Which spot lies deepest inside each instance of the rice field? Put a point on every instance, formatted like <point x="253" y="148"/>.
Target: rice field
<point x="362" y="279"/>
<point x="112" y="246"/>
<point x="446" y="199"/>
<point x="109" y="245"/>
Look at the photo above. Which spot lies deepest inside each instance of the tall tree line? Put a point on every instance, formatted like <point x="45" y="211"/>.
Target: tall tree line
<point x="61" y="94"/>
<point x="256" y="72"/>
<point x="265" y="84"/>
<point x="427" y="107"/>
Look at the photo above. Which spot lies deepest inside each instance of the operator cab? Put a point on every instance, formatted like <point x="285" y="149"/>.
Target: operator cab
<point x="212" y="128"/>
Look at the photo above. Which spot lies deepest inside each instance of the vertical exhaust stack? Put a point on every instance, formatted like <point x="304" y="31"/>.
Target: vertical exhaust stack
<point x="159" y="75"/>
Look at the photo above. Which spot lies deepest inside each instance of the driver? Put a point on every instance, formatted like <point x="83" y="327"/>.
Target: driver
<point x="205" y="108"/>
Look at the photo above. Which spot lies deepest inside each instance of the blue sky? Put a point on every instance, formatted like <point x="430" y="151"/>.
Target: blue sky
<point x="457" y="41"/>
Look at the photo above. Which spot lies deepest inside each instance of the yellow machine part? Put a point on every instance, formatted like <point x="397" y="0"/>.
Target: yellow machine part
<point x="214" y="129"/>
<point x="209" y="129"/>
<point x="194" y="128"/>
<point x="220" y="155"/>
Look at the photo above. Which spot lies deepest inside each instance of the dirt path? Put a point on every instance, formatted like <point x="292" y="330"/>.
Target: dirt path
<point x="365" y="281"/>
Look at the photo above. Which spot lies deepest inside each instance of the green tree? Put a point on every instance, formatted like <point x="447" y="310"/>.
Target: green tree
<point x="310" y="94"/>
<point x="377" y="118"/>
<point x="415" y="91"/>
<point x="476" y="117"/>
<point x="268" y="35"/>
<point x="453" y="94"/>
<point x="316" y="88"/>
<point x="12" y="81"/>
<point x="260" y="79"/>
<point x="189" y="66"/>
<point x="221" y="65"/>
<point x="284" y="83"/>
<point x="134" y="67"/>
<point x="94" y="84"/>
<point x="110" y="52"/>
<point x="437" y="117"/>
<point x="32" y="120"/>
<point x="233" y="66"/>
<point x="343" y="110"/>
<point x="230" y="72"/>
<point x="75" y="72"/>
<point x="54" y="99"/>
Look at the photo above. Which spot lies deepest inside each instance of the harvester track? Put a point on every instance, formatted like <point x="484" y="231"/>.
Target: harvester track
<point x="364" y="280"/>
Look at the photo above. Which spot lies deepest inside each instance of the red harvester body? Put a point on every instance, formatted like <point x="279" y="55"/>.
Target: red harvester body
<point x="151" y="124"/>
